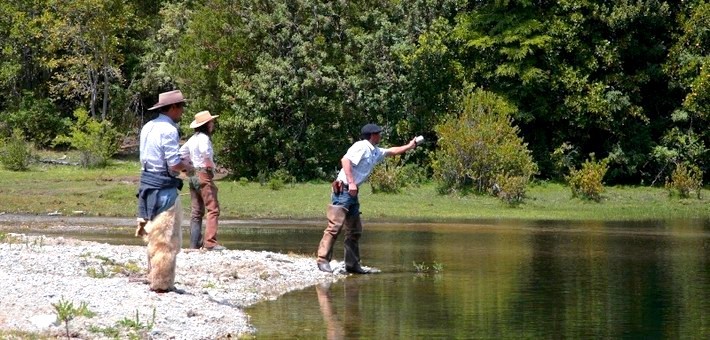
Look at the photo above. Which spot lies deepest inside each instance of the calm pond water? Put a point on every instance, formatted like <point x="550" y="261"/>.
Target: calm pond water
<point x="506" y="279"/>
<point x="500" y="279"/>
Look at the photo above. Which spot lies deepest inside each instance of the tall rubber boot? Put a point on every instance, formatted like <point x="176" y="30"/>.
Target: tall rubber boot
<point x="195" y="233"/>
<point x="336" y="217"/>
<point x="353" y="231"/>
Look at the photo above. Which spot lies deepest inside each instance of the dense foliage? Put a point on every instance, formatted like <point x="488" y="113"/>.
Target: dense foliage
<point x="294" y="80"/>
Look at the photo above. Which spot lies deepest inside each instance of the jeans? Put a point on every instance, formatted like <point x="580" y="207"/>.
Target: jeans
<point x="166" y="199"/>
<point x="352" y="204"/>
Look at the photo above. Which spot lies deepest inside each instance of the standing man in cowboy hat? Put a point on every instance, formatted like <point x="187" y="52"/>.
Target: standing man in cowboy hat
<point x="344" y="209"/>
<point x="203" y="190"/>
<point x="159" y="211"/>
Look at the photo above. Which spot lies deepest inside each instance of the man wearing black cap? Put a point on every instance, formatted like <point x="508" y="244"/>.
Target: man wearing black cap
<point x="357" y="164"/>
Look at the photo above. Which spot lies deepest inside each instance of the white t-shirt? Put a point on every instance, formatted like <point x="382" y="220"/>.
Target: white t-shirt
<point x="199" y="149"/>
<point x="363" y="156"/>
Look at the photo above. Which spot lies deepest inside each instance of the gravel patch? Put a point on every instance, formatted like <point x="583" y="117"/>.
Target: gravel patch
<point x="38" y="271"/>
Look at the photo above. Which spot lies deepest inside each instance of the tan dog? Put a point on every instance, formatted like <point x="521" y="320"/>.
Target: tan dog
<point x="164" y="237"/>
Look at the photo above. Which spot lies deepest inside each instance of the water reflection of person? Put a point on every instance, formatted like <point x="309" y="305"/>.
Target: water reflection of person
<point x="336" y="327"/>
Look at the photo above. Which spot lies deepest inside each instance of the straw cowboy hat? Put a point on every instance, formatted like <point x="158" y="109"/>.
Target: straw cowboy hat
<point x="168" y="98"/>
<point x="201" y="118"/>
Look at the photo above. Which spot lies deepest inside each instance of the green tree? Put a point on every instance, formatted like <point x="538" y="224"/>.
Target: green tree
<point x="587" y="70"/>
<point x="295" y="80"/>
<point x="84" y="39"/>
<point x="689" y="68"/>
<point x="21" y="53"/>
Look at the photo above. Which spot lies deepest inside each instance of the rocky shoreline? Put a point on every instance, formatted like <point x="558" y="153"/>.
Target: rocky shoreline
<point x="39" y="272"/>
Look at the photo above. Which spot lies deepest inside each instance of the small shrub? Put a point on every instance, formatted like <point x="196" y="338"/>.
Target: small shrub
<point x="10" y="239"/>
<point x="280" y="178"/>
<point x="276" y="184"/>
<point x="511" y="189"/>
<point x="97" y="141"/>
<point x="243" y="181"/>
<point x="420" y="267"/>
<point x="587" y="181"/>
<point x="99" y="273"/>
<point x="109" y="268"/>
<point x="392" y="176"/>
<point x="126" y="328"/>
<point x="435" y="267"/>
<point x="684" y="180"/>
<point x="108" y="332"/>
<point x="66" y="312"/>
<point x="15" y="152"/>
<point x="386" y="177"/>
<point x="136" y="324"/>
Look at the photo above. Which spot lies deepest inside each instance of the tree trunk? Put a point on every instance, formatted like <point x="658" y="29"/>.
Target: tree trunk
<point x="105" y="101"/>
<point x="105" y="66"/>
<point x="94" y="79"/>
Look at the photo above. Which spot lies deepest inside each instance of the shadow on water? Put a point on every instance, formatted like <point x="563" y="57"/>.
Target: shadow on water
<point x="500" y="279"/>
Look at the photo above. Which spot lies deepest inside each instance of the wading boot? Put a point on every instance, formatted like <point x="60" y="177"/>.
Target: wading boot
<point x="336" y="218"/>
<point x="353" y="230"/>
<point x="195" y="233"/>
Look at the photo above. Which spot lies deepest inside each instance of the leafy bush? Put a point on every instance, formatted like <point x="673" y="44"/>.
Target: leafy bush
<point x="15" y="152"/>
<point x="66" y="312"/>
<point x="37" y="118"/>
<point x="479" y="144"/>
<point x="511" y="189"/>
<point x="391" y="176"/>
<point x="684" y="180"/>
<point x="386" y="177"/>
<point x="97" y="141"/>
<point x="587" y="181"/>
<point x="279" y="178"/>
<point x="678" y="146"/>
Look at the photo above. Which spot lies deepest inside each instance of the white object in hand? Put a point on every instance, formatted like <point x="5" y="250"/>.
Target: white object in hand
<point x="418" y="139"/>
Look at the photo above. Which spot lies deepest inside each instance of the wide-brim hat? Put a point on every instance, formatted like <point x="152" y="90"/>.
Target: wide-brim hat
<point x="168" y="98"/>
<point x="201" y="118"/>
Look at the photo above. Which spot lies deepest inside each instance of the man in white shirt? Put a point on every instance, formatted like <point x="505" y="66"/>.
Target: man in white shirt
<point x="344" y="210"/>
<point x="159" y="212"/>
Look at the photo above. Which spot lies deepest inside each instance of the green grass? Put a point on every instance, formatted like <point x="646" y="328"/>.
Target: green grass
<point x="111" y="192"/>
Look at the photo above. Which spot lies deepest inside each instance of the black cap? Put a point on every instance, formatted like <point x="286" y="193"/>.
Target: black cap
<point x="370" y="128"/>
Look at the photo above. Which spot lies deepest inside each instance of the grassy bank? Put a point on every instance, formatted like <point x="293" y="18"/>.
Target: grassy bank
<point x="70" y="190"/>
